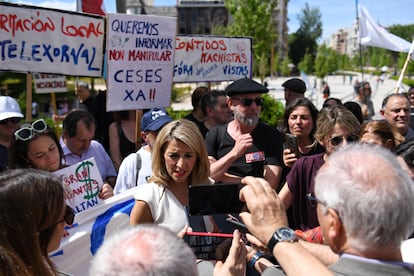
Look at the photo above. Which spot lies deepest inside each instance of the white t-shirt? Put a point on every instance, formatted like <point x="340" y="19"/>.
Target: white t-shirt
<point x="127" y="171"/>
<point x="166" y="209"/>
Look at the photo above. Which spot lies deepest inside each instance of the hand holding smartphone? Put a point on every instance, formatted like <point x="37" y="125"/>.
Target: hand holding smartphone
<point x="292" y="144"/>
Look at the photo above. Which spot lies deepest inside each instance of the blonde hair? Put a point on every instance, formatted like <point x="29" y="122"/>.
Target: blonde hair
<point x="186" y="132"/>
<point x="330" y="116"/>
<point x="384" y="130"/>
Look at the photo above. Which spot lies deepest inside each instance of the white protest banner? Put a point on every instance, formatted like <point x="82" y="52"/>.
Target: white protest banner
<point x="83" y="182"/>
<point x="212" y="58"/>
<point x="48" y="83"/>
<point x="34" y="39"/>
<point x="140" y="53"/>
<point x="90" y="229"/>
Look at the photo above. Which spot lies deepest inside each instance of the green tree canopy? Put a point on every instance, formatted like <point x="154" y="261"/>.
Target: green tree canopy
<point x="305" y="38"/>
<point x="254" y="18"/>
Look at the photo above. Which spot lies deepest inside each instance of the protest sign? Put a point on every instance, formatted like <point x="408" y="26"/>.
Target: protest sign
<point x="212" y="58"/>
<point x="83" y="182"/>
<point x="34" y="39"/>
<point x="48" y="83"/>
<point x="140" y="54"/>
<point x="90" y="229"/>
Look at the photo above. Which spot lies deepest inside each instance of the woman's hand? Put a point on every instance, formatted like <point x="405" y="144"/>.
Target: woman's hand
<point x="289" y="158"/>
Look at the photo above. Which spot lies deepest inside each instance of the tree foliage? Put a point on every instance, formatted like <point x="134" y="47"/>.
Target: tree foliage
<point x="305" y="38"/>
<point x="254" y="18"/>
<point x="326" y="62"/>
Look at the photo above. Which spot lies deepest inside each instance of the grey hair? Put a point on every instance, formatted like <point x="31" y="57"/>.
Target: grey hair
<point x="142" y="250"/>
<point x="373" y="195"/>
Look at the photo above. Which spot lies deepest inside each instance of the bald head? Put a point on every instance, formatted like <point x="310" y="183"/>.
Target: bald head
<point x="144" y="250"/>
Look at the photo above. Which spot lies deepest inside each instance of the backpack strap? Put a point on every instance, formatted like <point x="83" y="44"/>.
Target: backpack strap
<point x="138" y="168"/>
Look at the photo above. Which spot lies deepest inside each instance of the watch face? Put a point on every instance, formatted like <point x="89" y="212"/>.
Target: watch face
<point x="286" y="233"/>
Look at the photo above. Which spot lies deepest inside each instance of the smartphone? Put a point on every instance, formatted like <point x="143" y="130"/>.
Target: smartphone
<point x="209" y="246"/>
<point x="237" y="224"/>
<point x="215" y="199"/>
<point x="292" y="144"/>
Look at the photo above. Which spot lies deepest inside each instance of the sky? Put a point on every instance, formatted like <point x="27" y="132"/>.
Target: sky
<point x="336" y="14"/>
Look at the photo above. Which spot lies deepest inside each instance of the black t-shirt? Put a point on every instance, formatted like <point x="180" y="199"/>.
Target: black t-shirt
<point x="203" y="129"/>
<point x="266" y="149"/>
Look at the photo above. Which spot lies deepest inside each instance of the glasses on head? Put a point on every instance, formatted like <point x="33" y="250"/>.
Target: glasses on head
<point x="248" y="102"/>
<point x="27" y="131"/>
<point x="338" y="140"/>
<point x="10" y="120"/>
<point x="69" y="216"/>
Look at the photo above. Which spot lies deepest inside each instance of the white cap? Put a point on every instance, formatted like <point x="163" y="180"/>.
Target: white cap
<point x="9" y="108"/>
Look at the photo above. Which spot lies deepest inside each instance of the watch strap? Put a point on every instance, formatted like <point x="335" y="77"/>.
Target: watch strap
<point x="253" y="260"/>
<point x="277" y="238"/>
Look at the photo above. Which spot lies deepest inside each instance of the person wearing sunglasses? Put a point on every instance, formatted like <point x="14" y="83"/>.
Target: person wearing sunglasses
<point x="34" y="213"/>
<point x="35" y="145"/>
<point x="365" y="206"/>
<point x="10" y="116"/>
<point x="244" y="146"/>
<point x="336" y="127"/>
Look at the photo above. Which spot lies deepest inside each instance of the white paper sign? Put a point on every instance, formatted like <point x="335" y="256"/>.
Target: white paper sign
<point x="83" y="182"/>
<point x="48" y="83"/>
<point x="140" y="53"/>
<point x="34" y="39"/>
<point x="212" y="58"/>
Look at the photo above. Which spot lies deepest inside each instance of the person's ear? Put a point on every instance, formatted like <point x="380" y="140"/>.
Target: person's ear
<point x="389" y="144"/>
<point x="144" y="136"/>
<point x="382" y="112"/>
<point x="321" y="142"/>
<point x="210" y="110"/>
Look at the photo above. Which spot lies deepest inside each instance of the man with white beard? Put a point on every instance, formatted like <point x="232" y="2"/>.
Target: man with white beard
<point x="245" y="146"/>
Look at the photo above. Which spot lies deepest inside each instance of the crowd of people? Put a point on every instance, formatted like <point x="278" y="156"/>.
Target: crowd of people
<point x="331" y="187"/>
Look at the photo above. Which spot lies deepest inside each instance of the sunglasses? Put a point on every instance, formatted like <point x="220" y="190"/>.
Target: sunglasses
<point x="27" y="131"/>
<point x="338" y="140"/>
<point x="69" y="216"/>
<point x="249" y="102"/>
<point x="10" y="120"/>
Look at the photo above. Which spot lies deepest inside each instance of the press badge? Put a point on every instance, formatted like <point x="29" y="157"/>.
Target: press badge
<point x="254" y="156"/>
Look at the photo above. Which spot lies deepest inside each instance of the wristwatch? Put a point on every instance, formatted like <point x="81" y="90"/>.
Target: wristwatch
<point x="255" y="258"/>
<point x="283" y="234"/>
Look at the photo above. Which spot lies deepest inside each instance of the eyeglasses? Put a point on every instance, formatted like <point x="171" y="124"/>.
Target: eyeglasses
<point x="314" y="200"/>
<point x="69" y="216"/>
<point x="10" y="120"/>
<point x="337" y="140"/>
<point x="249" y="102"/>
<point x="27" y="131"/>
